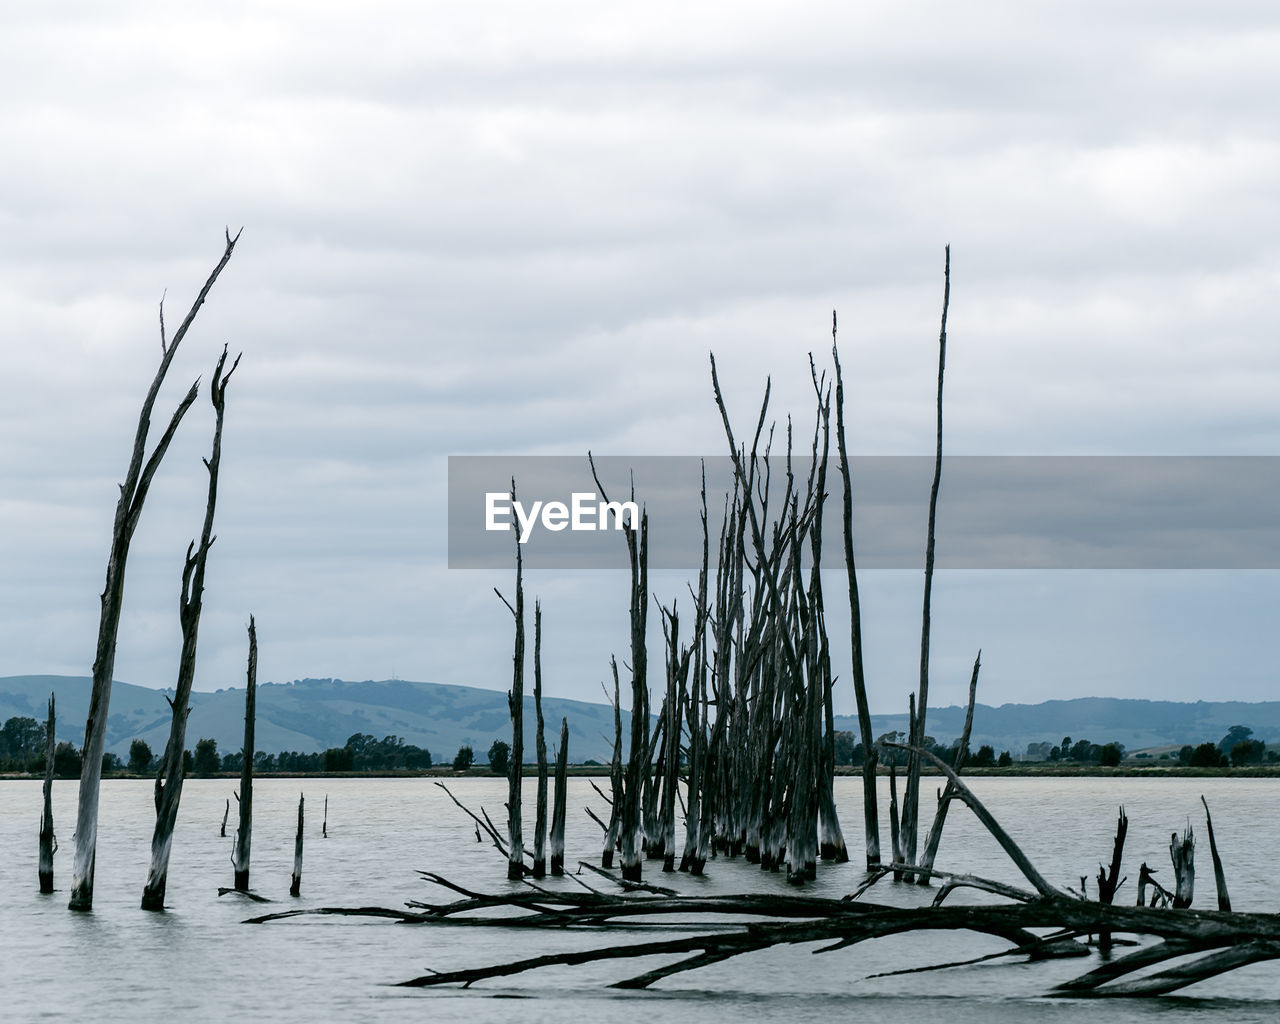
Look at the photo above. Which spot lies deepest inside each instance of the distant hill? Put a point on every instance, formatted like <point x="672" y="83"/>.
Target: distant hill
<point x="1135" y="723"/>
<point x="310" y="715"/>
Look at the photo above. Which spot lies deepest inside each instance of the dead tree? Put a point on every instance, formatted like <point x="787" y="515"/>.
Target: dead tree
<point x="911" y="793"/>
<point x="515" y="703"/>
<point x="48" y="841"/>
<point x="133" y="493"/>
<point x="631" y="833"/>
<point x="944" y="801"/>
<point x="169" y="779"/>
<point x="1219" y="876"/>
<point x="295" y="885"/>
<point x="244" y="834"/>
<point x="561" y="800"/>
<point x="324" y="824"/>
<point x="870" y="810"/>
<point x="613" y="832"/>
<point x="540" y="821"/>
<point x="226" y="813"/>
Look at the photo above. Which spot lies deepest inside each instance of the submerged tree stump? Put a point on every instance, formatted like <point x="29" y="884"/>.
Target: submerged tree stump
<point x="561" y="800"/>
<point x="48" y="841"/>
<point x="295" y="886"/>
<point x="244" y="834"/>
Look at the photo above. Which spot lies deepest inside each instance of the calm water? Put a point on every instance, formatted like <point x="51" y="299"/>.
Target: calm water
<point x="198" y="962"/>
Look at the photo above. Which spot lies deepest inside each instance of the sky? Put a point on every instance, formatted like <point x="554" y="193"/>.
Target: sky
<point x="511" y="229"/>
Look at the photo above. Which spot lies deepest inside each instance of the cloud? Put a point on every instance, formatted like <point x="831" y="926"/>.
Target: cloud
<point x="501" y="229"/>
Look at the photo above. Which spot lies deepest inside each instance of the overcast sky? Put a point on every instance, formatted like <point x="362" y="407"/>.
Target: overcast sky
<point x="511" y="228"/>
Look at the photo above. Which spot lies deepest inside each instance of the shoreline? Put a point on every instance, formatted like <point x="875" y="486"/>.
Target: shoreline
<point x="602" y="772"/>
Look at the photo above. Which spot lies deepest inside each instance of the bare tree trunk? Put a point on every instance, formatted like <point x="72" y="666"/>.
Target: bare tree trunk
<point x="870" y="810"/>
<point x="133" y="493"/>
<point x="244" y="834"/>
<point x="540" y="822"/>
<point x="226" y="813"/>
<point x="613" y="832"/>
<point x="1219" y="876"/>
<point x="638" y="760"/>
<point x="169" y="779"/>
<point x="911" y="794"/>
<point x="515" y="703"/>
<point x="48" y="841"/>
<point x="561" y="800"/>
<point x="295" y="885"/>
<point x="324" y="824"/>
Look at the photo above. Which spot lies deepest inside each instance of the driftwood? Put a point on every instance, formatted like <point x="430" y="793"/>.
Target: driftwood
<point x="324" y="824"/>
<point x="226" y="813"/>
<point x="170" y="777"/>
<point x="243" y="841"/>
<point x="133" y="493"/>
<point x="48" y="841"/>
<point x="295" y="884"/>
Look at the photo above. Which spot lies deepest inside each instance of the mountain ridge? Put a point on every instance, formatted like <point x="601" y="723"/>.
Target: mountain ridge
<point x="309" y="715"/>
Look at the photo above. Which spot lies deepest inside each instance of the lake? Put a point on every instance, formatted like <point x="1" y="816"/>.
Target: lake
<point x="199" y="962"/>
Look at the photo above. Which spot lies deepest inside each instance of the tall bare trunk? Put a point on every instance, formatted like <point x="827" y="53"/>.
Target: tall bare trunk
<point x="870" y="809"/>
<point x="911" y="795"/>
<point x="540" y="821"/>
<point x="295" y="885"/>
<point x="133" y="493"/>
<point x="169" y="779"/>
<point x="48" y="841"/>
<point x="561" y="800"/>
<point x="515" y="704"/>
<point x="244" y="834"/>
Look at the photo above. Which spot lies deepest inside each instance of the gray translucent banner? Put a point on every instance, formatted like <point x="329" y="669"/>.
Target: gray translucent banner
<point x="994" y="512"/>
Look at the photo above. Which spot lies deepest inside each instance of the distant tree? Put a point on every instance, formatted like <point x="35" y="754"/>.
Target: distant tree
<point x="463" y="759"/>
<point x="233" y="762"/>
<point x="1055" y="753"/>
<point x="1038" y="751"/>
<point x="1185" y="753"/>
<point x="1248" y="752"/>
<point x="66" y="760"/>
<point x="844" y="747"/>
<point x="1207" y="755"/>
<point x="1111" y="755"/>
<point x="139" y="757"/>
<point x="21" y="740"/>
<point x="188" y="762"/>
<point x="499" y="757"/>
<point x="1082" y="751"/>
<point x="1005" y="760"/>
<point x="206" y="761"/>
<point x="417" y="757"/>
<point x="111" y="763"/>
<point x="985" y="757"/>
<point x="339" y="759"/>
<point x="1236" y="734"/>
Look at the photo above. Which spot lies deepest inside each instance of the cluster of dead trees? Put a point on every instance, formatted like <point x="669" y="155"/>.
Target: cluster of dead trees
<point x="743" y="736"/>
